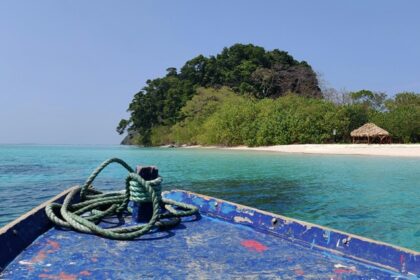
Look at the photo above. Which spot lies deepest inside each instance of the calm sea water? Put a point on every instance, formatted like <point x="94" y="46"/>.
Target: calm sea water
<point x="377" y="197"/>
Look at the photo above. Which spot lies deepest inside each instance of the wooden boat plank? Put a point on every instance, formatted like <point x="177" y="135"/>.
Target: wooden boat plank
<point x="228" y="240"/>
<point x="19" y="234"/>
<point x="336" y="242"/>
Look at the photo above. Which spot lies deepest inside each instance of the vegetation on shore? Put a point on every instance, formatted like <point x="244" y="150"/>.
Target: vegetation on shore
<point x="249" y="96"/>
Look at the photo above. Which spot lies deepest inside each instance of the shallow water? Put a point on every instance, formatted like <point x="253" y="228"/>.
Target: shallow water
<point x="377" y="197"/>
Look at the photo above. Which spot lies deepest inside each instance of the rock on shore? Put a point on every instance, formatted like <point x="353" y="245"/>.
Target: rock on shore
<point x="129" y="138"/>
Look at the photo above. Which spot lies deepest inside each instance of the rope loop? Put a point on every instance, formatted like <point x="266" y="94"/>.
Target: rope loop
<point x="98" y="170"/>
<point x="137" y="193"/>
<point x="95" y="205"/>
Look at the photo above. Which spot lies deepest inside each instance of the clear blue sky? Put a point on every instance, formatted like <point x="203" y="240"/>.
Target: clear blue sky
<point x="68" y="69"/>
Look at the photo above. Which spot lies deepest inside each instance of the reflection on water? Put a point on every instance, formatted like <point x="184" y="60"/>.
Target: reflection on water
<point x="378" y="197"/>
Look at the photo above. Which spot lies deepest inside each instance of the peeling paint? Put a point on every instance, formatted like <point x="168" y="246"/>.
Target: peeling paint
<point x="40" y="257"/>
<point x="307" y="228"/>
<point x="312" y="243"/>
<point x="343" y="271"/>
<point x="245" y="210"/>
<point x="25" y="263"/>
<point x="327" y="235"/>
<point x="299" y="272"/>
<point x="287" y="222"/>
<point x="339" y="265"/>
<point x="239" y="219"/>
<point x="214" y="246"/>
<point x="54" y="244"/>
<point x="253" y="245"/>
<point x="61" y="276"/>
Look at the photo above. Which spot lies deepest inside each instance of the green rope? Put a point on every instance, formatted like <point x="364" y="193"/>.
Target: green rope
<point x="95" y="205"/>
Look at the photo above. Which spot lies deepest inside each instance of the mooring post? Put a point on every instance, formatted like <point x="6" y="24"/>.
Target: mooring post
<point x="142" y="211"/>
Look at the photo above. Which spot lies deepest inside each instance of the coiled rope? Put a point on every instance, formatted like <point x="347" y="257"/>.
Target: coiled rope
<point x="95" y="205"/>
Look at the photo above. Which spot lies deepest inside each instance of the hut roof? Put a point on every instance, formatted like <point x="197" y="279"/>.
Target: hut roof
<point x="369" y="129"/>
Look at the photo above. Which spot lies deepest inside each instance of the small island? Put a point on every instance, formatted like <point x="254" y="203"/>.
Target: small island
<point x="248" y="96"/>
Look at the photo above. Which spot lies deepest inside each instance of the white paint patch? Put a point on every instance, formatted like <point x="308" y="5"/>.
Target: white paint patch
<point x="338" y="265"/>
<point x="61" y="237"/>
<point x="196" y="240"/>
<point x="307" y="227"/>
<point x="286" y="222"/>
<point x="240" y="219"/>
<point x="122" y="244"/>
<point x="245" y="210"/>
<point x="26" y="263"/>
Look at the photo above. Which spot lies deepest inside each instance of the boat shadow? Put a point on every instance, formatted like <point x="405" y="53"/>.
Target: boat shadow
<point x="154" y="234"/>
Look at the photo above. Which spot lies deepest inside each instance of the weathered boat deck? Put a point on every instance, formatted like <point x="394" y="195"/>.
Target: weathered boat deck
<point x="227" y="241"/>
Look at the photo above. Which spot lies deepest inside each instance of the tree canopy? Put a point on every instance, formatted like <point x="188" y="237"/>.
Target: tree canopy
<point x="246" y="69"/>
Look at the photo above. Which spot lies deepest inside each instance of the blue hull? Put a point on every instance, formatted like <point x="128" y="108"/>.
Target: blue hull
<point x="227" y="241"/>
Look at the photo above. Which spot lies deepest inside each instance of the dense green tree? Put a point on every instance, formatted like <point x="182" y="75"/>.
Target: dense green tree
<point x="122" y="126"/>
<point x="223" y="118"/>
<point x="401" y="118"/>
<point x="286" y="120"/>
<point x="358" y="115"/>
<point x="233" y="124"/>
<point x="246" y="69"/>
<point x="197" y="110"/>
<point x="158" y="104"/>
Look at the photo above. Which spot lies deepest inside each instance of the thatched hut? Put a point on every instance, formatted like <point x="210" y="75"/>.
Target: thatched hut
<point x="370" y="133"/>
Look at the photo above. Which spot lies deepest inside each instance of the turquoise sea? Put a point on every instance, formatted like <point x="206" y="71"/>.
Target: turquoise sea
<point x="377" y="197"/>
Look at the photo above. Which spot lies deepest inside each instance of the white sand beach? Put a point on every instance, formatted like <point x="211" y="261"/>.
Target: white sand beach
<point x="396" y="150"/>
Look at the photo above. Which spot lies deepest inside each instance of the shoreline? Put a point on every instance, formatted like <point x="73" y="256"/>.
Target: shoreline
<point x="393" y="150"/>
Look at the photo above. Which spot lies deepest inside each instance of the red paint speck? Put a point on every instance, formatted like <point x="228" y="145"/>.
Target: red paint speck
<point x="341" y="271"/>
<point x="61" y="276"/>
<point x="54" y="244"/>
<point x="253" y="245"/>
<point x="39" y="257"/>
<point x="94" y="259"/>
<point x="85" y="272"/>
<point x="299" y="272"/>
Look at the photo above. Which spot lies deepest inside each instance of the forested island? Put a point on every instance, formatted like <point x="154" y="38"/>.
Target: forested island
<point x="249" y="96"/>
